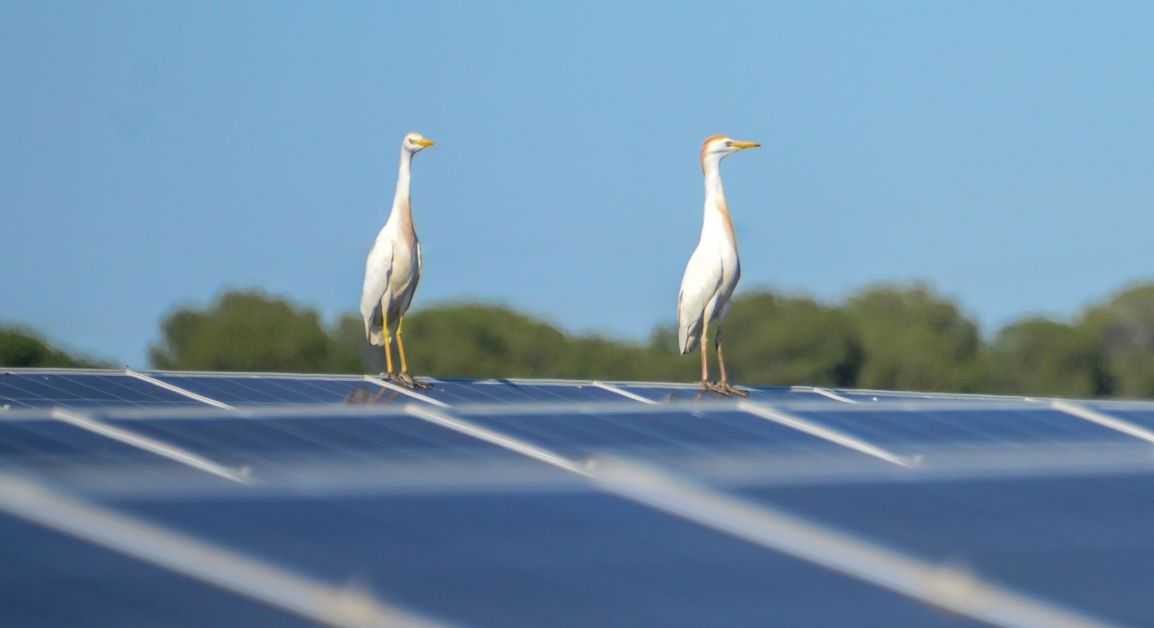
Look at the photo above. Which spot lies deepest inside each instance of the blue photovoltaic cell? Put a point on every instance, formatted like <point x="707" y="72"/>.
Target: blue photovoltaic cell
<point x="454" y="392"/>
<point x="50" y="580"/>
<point x="1086" y="542"/>
<point x="241" y="390"/>
<point x="257" y="441"/>
<point x="83" y="390"/>
<point x="718" y="434"/>
<point x="778" y="394"/>
<point x="913" y="429"/>
<point x="48" y="445"/>
<point x="538" y="559"/>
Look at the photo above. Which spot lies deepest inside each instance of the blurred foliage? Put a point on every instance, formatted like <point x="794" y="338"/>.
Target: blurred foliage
<point x="1038" y="356"/>
<point x="478" y="340"/>
<point x="772" y="338"/>
<point x="914" y="339"/>
<point x="24" y="348"/>
<point x="886" y="336"/>
<point x="1123" y="328"/>
<point x="250" y="331"/>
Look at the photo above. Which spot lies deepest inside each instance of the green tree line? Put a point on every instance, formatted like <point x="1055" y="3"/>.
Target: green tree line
<point x="887" y="336"/>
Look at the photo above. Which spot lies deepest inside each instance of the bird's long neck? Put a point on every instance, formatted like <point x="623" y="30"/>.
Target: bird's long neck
<point x="717" y="221"/>
<point x="402" y="211"/>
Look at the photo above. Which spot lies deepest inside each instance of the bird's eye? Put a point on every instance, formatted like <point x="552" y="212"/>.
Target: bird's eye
<point x="728" y="144"/>
<point x="412" y="140"/>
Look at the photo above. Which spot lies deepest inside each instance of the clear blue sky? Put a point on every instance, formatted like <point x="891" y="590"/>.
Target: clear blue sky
<point x="155" y="153"/>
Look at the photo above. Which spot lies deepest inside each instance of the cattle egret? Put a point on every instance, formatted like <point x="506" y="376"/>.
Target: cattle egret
<point x="393" y="270"/>
<point x="713" y="269"/>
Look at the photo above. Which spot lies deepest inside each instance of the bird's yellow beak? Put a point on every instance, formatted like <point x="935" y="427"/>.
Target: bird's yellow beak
<point x="425" y="142"/>
<point x="742" y="144"/>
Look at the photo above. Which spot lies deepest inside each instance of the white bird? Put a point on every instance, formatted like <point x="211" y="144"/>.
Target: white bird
<point x="393" y="270"/>
<point x="713" y="269"/>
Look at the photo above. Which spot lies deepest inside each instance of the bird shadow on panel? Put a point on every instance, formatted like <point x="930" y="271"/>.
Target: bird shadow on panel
<point x="366" y="396"/>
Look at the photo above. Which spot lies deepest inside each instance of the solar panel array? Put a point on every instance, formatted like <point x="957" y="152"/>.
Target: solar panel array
<point x="161" y="498"/>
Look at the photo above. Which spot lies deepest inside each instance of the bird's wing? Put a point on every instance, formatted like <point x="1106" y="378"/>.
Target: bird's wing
<point x="420" y="264"/>
<point x="403" y="297"/>
<point x="378" y="269"/>
<point x="420" y="268"/>
<point x="698" y="286"/>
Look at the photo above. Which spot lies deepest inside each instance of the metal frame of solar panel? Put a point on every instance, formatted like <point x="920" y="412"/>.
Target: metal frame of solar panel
<point x="556" y="502"/>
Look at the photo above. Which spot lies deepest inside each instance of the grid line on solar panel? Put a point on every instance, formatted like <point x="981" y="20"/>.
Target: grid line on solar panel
<point x="30" y="389"/>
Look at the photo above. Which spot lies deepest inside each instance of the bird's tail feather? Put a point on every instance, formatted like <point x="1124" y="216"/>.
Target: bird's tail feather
<point x="377" y="337"/>
<point x="687" y="338"/>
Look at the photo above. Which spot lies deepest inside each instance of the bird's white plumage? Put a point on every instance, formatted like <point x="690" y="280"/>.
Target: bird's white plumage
<point x="714" y="268"/>
<point x="393" y="267"/>
<point x="392" y="272"/>
<point x="710" y="278"/>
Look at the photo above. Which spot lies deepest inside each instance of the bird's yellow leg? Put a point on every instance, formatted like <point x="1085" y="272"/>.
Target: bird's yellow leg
<point x="404" y="375"/>
<point x="401" y="345"/>
<point x="720" y="357"/>
<point x="723" y="385"/>
<point x="388" y="344"/>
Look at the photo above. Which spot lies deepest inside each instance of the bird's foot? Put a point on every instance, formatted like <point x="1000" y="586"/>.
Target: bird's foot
<point x="710" y="387"/>
<point x="721" y="388"/>
<point x="726" y="389"/>
<point x="408" y="380"/>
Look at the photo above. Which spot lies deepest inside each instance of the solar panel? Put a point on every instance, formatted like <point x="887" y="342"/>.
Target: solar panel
<point x="676" y="436"/>
<point x="50" y="579"/>
<point x="31" y="389"/>
<point x="1088" y="541"/>
<point x="664" y="393"/>
<point x="570" y="559"/>
<point x="884" y="396"/>
<point x="455" y="391"/>
<point x="266" y="443"/>
<point x="48" y="446"/>
<point x="495" y="502"/>
<point x="1141" y="415"/>
<point x="915" y="430"/>
<point x="241" y="390"/>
